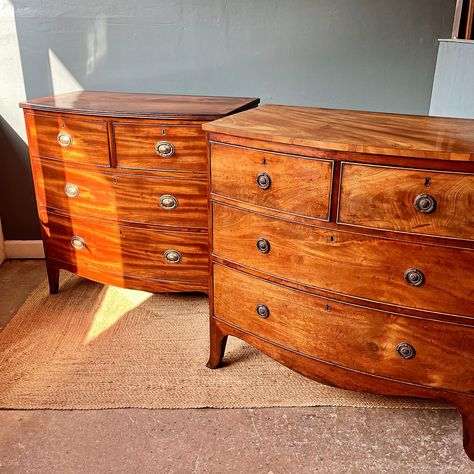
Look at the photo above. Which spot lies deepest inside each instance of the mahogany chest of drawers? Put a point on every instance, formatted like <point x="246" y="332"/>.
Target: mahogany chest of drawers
<point x="343" y="247"/>
<point x="121" y="186"/>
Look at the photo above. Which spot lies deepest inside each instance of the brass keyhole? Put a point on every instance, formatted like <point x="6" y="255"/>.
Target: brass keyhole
<point x="427" y="181"/>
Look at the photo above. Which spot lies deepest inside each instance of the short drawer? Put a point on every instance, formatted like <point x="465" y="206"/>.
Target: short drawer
<point x="362" y="266"/>
<point x="161" y="147"/>
<point x="124" y="197"/>
<point x="408" y="200"/>
<point x="128" y="251"/>
<point x="294" y="184"/>
<point x="66" y="139"/>
<point x="429" y="353"/>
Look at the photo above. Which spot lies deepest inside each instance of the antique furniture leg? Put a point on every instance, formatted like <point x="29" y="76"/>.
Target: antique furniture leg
<point x="345" y="255"/>
<point x="53" y="277"/>
<point x="218" y="343"/>
<point x="467" y="412"/>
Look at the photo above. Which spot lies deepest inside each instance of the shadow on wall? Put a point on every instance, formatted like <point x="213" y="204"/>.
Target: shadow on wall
<point x="360" y="55"/>
<point x="17" y="200"/>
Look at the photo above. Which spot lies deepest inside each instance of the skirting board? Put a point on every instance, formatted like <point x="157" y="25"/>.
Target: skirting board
<point x="24" y="248"/>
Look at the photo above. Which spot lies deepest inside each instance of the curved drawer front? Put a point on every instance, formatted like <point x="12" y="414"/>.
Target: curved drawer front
<point x="71" y="140"/>
<point x="294" y="184"/>
<point x="127" y="250"/>
<point x="351" y="264"/>
<point x="439" y="354"/>
<point x="161" y="147"/>
<point x="131" y="198"/>
<point x="408" y="200"/>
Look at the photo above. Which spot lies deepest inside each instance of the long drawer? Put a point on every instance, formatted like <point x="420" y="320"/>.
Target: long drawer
<point x="119" y="249"/>
<point x="161" y="147"/>
<point x="407" y="200"/>
<point x="294" y="184"/>
<point x="429" y="353"/>
<point x="119" y="196"/>
<point x="425" y="277"/>
<point x="67" y="139"/>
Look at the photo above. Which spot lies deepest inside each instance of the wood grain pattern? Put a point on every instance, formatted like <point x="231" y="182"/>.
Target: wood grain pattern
<point x="135" y="147"/>
<point x="120" y="196"/>
<point x="383" y="197"/>
<point x="299" y="185"/>
<point x="331" y="374"/>
<point x="155" y="106"/>
<point x="90" y="143"/>
<point x="126" y="251"/>
<point x="354" y="131"/>
<point x="336" y="292"/>
<point x="319" y="328"/>
<point x="346" y="263"/>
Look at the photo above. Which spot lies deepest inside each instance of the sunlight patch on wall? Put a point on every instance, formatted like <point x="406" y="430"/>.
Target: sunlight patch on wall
<point x="96" y="43"/>
<point x="62" y="79"/>
<point x="11" y="72"/>
<point x="116" y="303"/>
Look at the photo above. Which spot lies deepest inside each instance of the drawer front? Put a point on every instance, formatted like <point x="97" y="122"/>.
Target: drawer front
<point x="350" y="336"/>
<point x="347" y="263"/>
<point x="127" y="250"/>
<point x="71" y="140"/>
<point x="182" y="147"/>
<point x="408" y="200"/>
<point x="293" y="184"/>
<point x="130" y="198"/>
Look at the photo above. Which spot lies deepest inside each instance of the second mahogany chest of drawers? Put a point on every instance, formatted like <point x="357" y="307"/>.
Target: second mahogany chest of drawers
<point x="121" y="185"/>
<point x="343" y="247"/>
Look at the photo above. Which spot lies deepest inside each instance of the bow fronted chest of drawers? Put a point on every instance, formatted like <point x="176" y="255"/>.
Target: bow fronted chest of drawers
<point x="343" y="247"/>
<point x="121" y="186"/>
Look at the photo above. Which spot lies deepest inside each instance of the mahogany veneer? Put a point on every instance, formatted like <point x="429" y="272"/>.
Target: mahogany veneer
<point x="342" y="246"/>
<point x="121" y="186"/>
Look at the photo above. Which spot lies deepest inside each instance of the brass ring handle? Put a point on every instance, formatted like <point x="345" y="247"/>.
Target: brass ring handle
<point x="263" y="181"/>
<point x="78" y="242"/>
<point x="262" y="311"/>
<point x="425" y="203"/>
<point x="414" y="277"/>
<point x="172" y="256"/>
<point x="405" y="351"/>
<point x="165" y="149"/>
<point x="263" y="245"/>
<point x="64" y="139"/>
<point x="71" y="190"/>
<point x="168" y="202"/>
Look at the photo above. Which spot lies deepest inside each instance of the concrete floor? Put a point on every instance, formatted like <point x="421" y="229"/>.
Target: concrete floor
<point x="275" y="440"/>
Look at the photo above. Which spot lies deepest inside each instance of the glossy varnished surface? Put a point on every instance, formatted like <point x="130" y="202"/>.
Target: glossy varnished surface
<point x="383" y="198"/>
<point x="135" y="147"/>
<point x="354" y="131"/>
<point x="319" y="327"/>
<point x="124" y="197"/>
<point x="89" y="139"/>
<point x="119" y="104"/>
<point x="126" y="251"/>
<point x="351" y="264"/>
<point x="298" y="185"/>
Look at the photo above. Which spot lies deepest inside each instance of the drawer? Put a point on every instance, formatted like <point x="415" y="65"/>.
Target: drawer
<point x="288" y="183"/>
<point x="128" y="251"/>
<point x="125" y="197"/>
<point x="350" y="336"/>
<point x="182" y="147"/>
<point x="348" y="263"/>
<point x="408" y="200"/>
<point x="67" y="139"/>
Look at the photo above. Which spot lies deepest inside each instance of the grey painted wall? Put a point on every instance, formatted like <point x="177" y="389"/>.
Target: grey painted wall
<point x="453" y="87"/>
<point x="360" y="54"/>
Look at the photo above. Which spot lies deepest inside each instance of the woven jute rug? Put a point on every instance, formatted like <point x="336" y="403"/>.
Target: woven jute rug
<point x="94" y="346"/>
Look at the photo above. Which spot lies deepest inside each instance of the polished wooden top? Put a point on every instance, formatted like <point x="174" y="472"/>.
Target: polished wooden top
<point x="119" y="104"/>
<point x="354" y="131"/>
